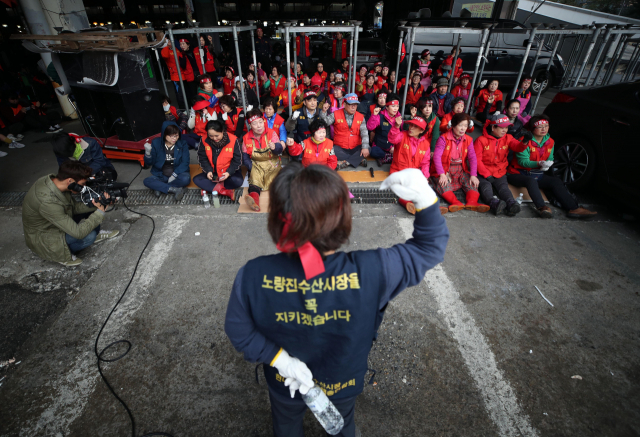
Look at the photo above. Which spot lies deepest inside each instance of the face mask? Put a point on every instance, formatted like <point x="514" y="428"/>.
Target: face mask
<point x="166" y="108"/>
<point x="78" y="152"/>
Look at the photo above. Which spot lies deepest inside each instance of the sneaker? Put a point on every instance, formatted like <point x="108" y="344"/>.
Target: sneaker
<point x="53" y="130"/>
<point x="15" y="137"/>
<point x="75" y="261"/>
<point x="497" y="206"/>
<point x="3" y="154"/>
<point x="57" y="126"/>
<point x="343" y="165"/>
<point x="16" y="145"/>
<point x="106" y="235"/>
<point x="379" y="161"/>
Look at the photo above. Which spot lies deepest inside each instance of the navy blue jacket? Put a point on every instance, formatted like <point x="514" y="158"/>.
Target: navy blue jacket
<point x="272" y="307"/>
<point x="446" y="101"/>
<point x="158" y="154"/>
<point x="92" y="156"/>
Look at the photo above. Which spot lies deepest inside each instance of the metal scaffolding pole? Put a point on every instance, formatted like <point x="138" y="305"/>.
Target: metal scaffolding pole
<point x="616" y="60"/>
<point x="605" y="40"/>
<point x="592" y="44"/>
<point x="164" y="84"/>
<point x="535" y="60"/>
<point x="351" y="59"/>
<point x="532" y="34"/>
<point x="356" y="29"/>
<point x="603" y="65"/>
<point x="175" y="57"/>
<point x="286" y="36"/>
<point x="483" y="41"/>
<point x="633" y="63"/>
<point x="255" y="61"/>
<point x="410" y="55"/>
<point x="295" y="57"/>
<point x="575" y="53"/>
<point x="199" y="49"/>
<point x="397" y="70"/>
<point x="455" y="58"/>
<point x="241" y="79"/>
<point x="484" y="59"/>
<point x="553" y="55"/>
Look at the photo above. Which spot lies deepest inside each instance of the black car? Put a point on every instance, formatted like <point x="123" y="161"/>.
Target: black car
<point x="595" y="132"/>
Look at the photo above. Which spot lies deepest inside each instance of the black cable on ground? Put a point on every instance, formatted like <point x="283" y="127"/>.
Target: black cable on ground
<point x="124" y="341"/>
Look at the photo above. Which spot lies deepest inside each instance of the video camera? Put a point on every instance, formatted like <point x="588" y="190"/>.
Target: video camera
<point x="97" y="185"/>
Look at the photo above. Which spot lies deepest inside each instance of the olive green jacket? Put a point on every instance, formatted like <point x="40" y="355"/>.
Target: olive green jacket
<point x="47" y="215"/>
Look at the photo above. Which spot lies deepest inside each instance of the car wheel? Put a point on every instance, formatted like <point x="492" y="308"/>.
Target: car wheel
<point x="541" y="82"/>
<point x="574" y="162"/>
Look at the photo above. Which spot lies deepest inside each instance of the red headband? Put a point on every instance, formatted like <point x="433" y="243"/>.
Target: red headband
<point x="205" y="80"/>
<point x="393" y="102"/>
<point x="309" y="256"/>
<point x="540" y="122"/>
<point x="527" y="80"/>
<point x="253" y="118"/>
<point x="77" y="137"/>
<point x="382" y="94"/>
<point x="321" y="128"/>
<point x="184" y="40"/>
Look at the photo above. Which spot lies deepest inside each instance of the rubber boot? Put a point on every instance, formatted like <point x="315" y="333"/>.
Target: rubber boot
<point x="411" y="208"/>
<point x="454" y="204"/>
<point x="224" y="191"/>
<point x="472" y="202"/>
<point x="253" y="201"/>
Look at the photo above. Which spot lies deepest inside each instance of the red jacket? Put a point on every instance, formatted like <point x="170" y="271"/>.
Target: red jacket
<point x="322" y="76"/>
<point x="313" y="153"/>
<point x="345" y="136"/>
<point x="227" y="85"/>
<point x="306" y="45"/>
<point x="201" y="124"/>
<point x="167" y="55"/>
<point x="345" y="53"/>
<point x="492" y="153"/>
<point x="459" y="91"/>
<point x="483" y="97"/>
<point x="208" y="60"/>
<point x="414" y="95"/>
<point x="535" y="154"/>
<point x="403" y="151"/>
<point x="277" y="86"/>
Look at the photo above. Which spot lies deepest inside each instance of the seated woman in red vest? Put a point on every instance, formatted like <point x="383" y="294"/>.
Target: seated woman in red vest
<point x="206" y="90"/>
<point x="528" y="169"/>
<point x="275" y="83"/>
<point x="458" y="107"/>
<point x="317" y="149"/>
<point x="463" y="89"/>
<point x="232" y="116"/>
<point x="425" y="110"/>
<point x="492" y="150"/>
<point x="380" y="124"/>
<point x="220" y="157"/>
<point x="228" y="81"/>
<point x="454" y="166"/>
<point x="381" y="102"/>
<point x="263" y="150"/>
<point x="489" y="92"/>
<point x="320" y="74"/>
<point x="274" y="121"/>
<point x="411" y="150"/>
<point x="201" y="113"/>
<point x="415" y="90"/>
<point x="361" y="77"/>
<point x="369" y="90"/>
<point x="251" y="82"/>
<point x="383" y="78"/>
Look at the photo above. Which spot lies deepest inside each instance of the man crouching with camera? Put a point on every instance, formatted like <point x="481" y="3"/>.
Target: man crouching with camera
<point x="51" y="217"/>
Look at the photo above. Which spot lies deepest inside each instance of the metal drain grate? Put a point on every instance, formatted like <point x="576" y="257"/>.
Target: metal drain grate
<point x="191" y="197"/>
<point x="13" y="198"/>
<point x="372" y="196"/>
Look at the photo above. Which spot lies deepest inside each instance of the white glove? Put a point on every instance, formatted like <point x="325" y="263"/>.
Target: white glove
<point x="470" y="123"/>
<point x="249" y="108"/>
<point x="410" y="184"/>
<point x="296" y="114"/>
<point x="215" y="115"/>
<point x="225" y="117"/>
<point x="210" y="117"/>
<point x="449" y="124"/>
<point x="172" y="178"/>
<point x="294" y="369"/>
<point x="147" y="149"/>
<point x="192" y="119"/>
<point x="546" y="165"/>
<point x="294" y="385"/>
<point x="496" y="113"/>
<point x="192" y="113"/>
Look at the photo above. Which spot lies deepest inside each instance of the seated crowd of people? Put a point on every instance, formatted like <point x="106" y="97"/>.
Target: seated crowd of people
<point x="332" y="127"/>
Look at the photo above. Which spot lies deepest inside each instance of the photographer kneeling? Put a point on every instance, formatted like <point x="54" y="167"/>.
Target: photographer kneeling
<point x="50" y="216"/>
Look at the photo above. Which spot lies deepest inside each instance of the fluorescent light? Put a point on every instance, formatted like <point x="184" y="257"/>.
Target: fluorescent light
<point x="168" y="22"/>
<point x="264" y="23"/>
<point x="4" y="25"/>
<point x="109" y="22"/>
<point x="182" y="22"/>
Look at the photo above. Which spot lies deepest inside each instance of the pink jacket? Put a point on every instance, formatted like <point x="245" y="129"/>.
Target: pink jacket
<point x="395" y="137"/>
<point x="437" y="155"/>
<point x="374" y="121"/>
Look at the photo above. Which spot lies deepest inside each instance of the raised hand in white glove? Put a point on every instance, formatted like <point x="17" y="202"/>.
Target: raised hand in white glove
<point x="225" y="117"/>
<point x="210" y="117"/>
<point x="192" y="113"/>
<point x="496" y="113"/>
<point x="296" y="114"/>
<point x="215" y="115"/>
<point x="294" y="385"/>
<point x="249" y="108"/>
<point x="293" y="368"/>
<point x="470" y="123"/>
<point x="410" y="184"/>
<point x="147" y="149"/>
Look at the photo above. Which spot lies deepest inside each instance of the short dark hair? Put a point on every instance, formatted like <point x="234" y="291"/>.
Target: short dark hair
<point x="228" y="100"/>
<point x="270" y="101"/>
<point x="74" y="170"/>
<point x="423" y="102"/>
<point x="493" y="79"/>
<point x="277" y="67"/>
<point x="203" y="76"/>
<point x="525" y="77"/>
<point x="533" y="120"/>
<point x="253" y="112"/>
<point x="172" y="129"/>
<point x="216" y="125"/>
<point x="317" y="199"/>
<point x="316" y="124"/>
<point x="457" y="100"/>
<point x="164" y="98"/>
<point x="63" y="145"/>
<point x="459" y="118"/>
<point x="510" y="102"/>
<point x="393" y="96"/>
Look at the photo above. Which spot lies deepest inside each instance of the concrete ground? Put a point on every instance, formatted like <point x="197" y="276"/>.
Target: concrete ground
<point x="474" y="350"/>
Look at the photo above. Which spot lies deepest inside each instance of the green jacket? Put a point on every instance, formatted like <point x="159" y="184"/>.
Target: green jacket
<point x="524" y="158"/>
<point x="47" y="215"/>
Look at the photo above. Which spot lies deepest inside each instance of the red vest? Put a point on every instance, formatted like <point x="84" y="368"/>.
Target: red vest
<point x="323" y="152"/>
<point x="225" y="156"/>
<point x="232" y="121"/>
<point x="322" y="76"/>
<point x="167" y="55"/>
<point x="535" y="154"/>
<point x="444" y="125"/>
<point x="414" y="96"/>
<point x="277" y="123"/>
<point x="201" y="125"/>
<point x="277" y="86"/>
<point x="446" y="155"/>
<point x="228" y="85"/>
<point x="345" y="136"/>
<point x="382" y="80"/>
<point x="187" y="73"/>
<point x="208" y="60"/>
<point x="250" y="142"/>
<point x="483" y="96"/>
<point x="402" y="157"/>
<point x="344" y="49"/>
<point x="306" y="45"/>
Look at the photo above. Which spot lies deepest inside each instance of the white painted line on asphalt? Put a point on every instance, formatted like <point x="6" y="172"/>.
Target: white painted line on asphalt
<point x="498" y="396"/>
<point x="73" y="389"/>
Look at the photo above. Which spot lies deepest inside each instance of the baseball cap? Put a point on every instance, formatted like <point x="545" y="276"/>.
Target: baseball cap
<point x="446" y="66"/>
<point x="418" y="121"/>
<point x="200" y="105"/>
<point x="315" y="80"/>
<point x="351" y="99"/>
<point x="310" y="94"/>
<point x="499" y="120"/>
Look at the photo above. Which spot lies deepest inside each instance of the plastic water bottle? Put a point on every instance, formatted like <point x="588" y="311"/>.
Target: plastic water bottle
<point x="205" y="199"/>
<point x="324" y="410"/>
<point x="519" y="199"/>
<point x="216" y="199"/>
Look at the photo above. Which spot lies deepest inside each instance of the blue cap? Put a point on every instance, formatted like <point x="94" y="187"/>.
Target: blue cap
<point x="351" y="99"/>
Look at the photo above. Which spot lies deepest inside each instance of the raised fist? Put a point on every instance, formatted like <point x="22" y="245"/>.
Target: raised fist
<point x="376" y="111"/>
